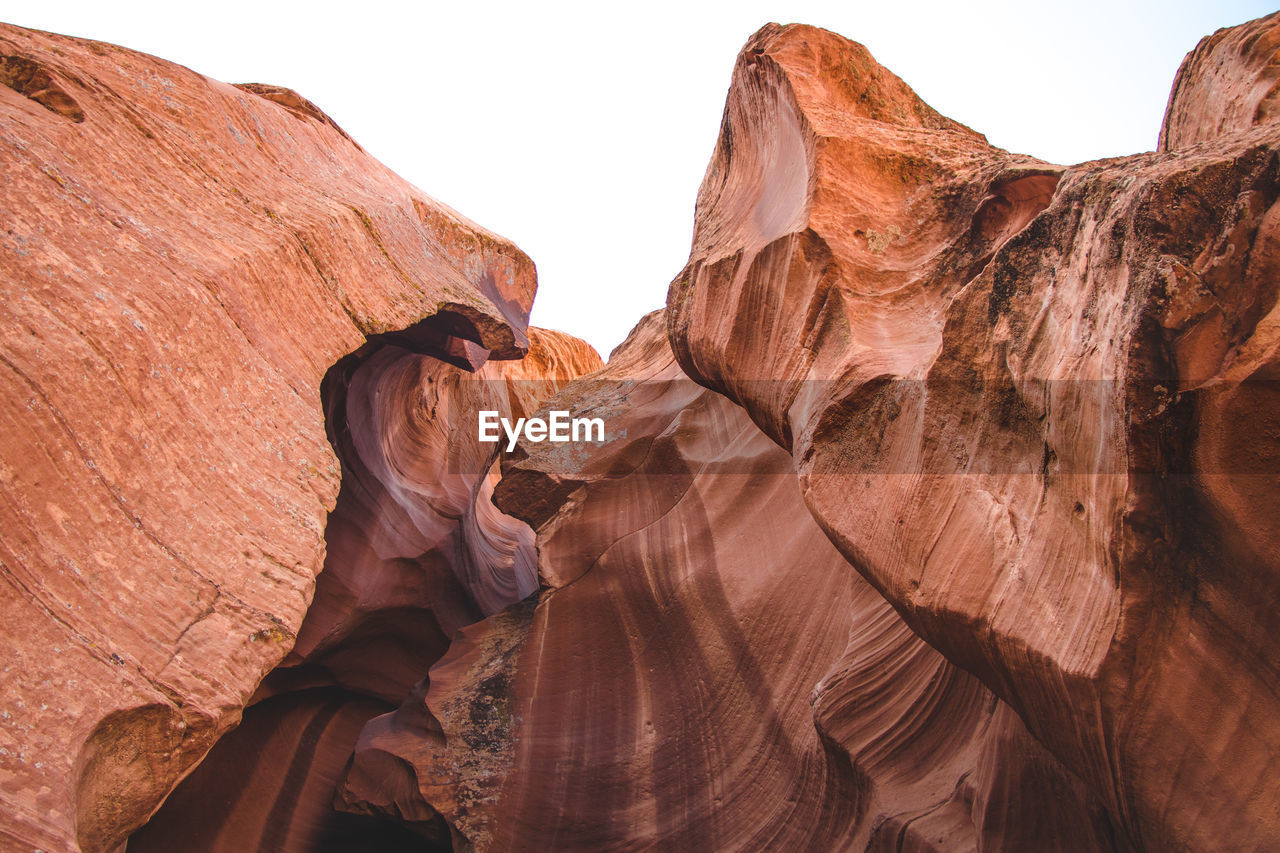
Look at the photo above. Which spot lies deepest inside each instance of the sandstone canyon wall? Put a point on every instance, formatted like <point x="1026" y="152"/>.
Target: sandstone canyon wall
<point x="182" y="263"/>
<point x="702" y="671"/>
<point x="415" y="551"/>
<point x="936" y="511"/>
<point x="1033" y="406"/>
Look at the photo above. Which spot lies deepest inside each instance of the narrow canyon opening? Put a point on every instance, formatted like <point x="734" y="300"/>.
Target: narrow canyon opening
<point x="415" y="551"/>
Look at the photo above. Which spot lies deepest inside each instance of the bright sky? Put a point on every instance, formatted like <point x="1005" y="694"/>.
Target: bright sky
<point x="581" y="130"/>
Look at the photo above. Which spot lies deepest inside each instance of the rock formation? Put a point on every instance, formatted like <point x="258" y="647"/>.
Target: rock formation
<point x="415" y="551"/>
<point x="1228" y="84"/>
<point x="936" y="512"/>
<point x="703" y="670"/>
<point x="182" y="261"/>
<point x="1015" y="394"/>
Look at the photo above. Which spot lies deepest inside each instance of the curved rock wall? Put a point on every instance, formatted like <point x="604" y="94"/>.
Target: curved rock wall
<point x="278" y="770"/>
<point x="1015" y="395"/>
<point x="964" y="539"/>
<point x="181" y="261"/>
<point x="1229" y="83"/>
<point x="415" y="551"/>
<point x="703" y="670"/>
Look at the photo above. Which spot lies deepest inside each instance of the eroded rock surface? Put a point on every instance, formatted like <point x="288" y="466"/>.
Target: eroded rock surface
<point x="269" y="785"/>
<point x="1229" y="83"/>
<point x="415" y="542"/>
<point x="181" y="262"/>
<point x="416" y="551"/>
<point x="1033" y="406"/>
<point x="704" y="670"/>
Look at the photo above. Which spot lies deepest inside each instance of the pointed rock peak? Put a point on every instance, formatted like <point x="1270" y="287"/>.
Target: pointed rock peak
<point x="830" y="71"/>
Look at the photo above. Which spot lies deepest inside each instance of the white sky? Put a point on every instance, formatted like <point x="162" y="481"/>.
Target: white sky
<point x="581" y="130"/>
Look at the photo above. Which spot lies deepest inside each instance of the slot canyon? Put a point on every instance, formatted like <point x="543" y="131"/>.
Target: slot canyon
<point x="937" y="510"/>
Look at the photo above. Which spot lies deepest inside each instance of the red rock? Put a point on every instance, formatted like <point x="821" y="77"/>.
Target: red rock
<point x="704" y="670"/>
<point x="182" y="262"/>
<point x="416" y="549"/>
<point x="415" y="552"/>
<point x="1031" y="406"/>
<point x="1015" y="396"/>
<point x="269" y="785"/>
<point x="1229" y="83"/>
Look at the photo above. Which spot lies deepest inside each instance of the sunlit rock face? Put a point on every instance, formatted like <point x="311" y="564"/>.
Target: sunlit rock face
<point x="1033" y="406"/>
<point x="181" y="262"/>
<point x="703" y="670"/>
<point x="1228" y="84"/>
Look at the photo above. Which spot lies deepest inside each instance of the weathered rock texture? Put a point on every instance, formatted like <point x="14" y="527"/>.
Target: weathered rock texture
<point x="703" y="671"/>
<point x="416" y="551"/>
<point x="1228" y="84"/>
<point x="1034" y="406"/>
<point x="181" y="262"/>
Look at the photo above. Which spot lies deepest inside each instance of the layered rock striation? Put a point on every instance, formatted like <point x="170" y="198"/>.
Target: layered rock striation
<point x="936" y="512"/>
<point x="182" y="261"/>
<point x="1032" y="405"/>
<point x="415" y="552"/>
<point x="702" y="669"/>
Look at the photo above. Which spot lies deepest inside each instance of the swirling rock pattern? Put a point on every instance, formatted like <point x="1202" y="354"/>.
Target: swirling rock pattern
<point x="269" y="785"/>
<point x="181" y="262"/>
<point x="704" y="670"/>
<point x="1033" y="406"/>
<point x="1015" y="394"/>
<point x="416" y="551"/>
